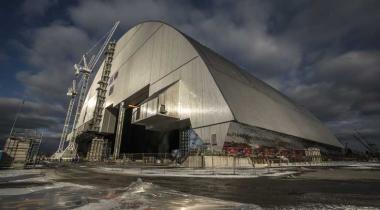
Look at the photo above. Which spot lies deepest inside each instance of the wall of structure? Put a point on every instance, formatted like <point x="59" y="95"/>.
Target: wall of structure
<point x="258" y="137"/>
<point x="212" y="91"/>
<point x="218" y="162"/>
<point x="255" y="103"/>
<point x="220" y="132"/>
<point x="156" y="55"/>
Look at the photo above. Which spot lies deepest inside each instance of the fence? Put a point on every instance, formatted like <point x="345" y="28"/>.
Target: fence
<point x="147" y="158"/>
<point x="216" y="161"/>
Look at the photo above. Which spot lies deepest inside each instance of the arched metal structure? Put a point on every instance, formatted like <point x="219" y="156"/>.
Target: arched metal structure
<point x="172" y="78"/>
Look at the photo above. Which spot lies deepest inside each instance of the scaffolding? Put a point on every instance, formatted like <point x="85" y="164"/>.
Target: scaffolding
<point x="102" y="89"/>
<point x="22" y="147"/>
<point x="184" y="142"/>
<point x="98" y="150"/>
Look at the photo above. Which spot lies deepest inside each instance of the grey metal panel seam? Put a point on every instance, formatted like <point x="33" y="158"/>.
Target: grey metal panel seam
<point x="174" y="70"/>
<point x="126" y="60"/>
<point x="204" y="58"/>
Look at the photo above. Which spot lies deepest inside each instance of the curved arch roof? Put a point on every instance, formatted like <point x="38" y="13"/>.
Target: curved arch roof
<point x="250" y="100"/>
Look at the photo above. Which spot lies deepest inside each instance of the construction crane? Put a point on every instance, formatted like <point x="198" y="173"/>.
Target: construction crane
<point x="370" y="147"/>
<point x="83" y="70"/>
<point x="71" y="93"/>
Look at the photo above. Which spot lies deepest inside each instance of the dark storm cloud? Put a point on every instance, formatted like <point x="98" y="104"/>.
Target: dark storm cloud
<point x="323" y="54"/>
<point x="3" y="56"/>
<point x="37" y="7"/>
<point x="53" y="52"/>
<point x="337" y="78"/>
<point x="353" y="69"/>
<point x="319" y="96"/>
<point x="31" y="116"/>
<point x="239" y="30"/>
<point x="316" y="23"/>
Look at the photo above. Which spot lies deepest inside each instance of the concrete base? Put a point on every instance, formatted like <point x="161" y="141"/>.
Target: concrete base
<point x="194" y="162"/>
<point x="217" y="162"/>
<point x="227" y="162"/>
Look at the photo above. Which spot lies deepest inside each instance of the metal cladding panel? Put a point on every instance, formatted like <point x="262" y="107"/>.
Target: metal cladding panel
<point x="152" y="54"/>
<point x="220" y="130"/>
<point x="164" y="82"/>
<point x="168" y="98"/>
<point x="255" y="103"/>
<point x="170" y="51"/>
<point x="200" y="98"/>
<point x="125" y="39"/>
<point x="133" y="64"/>
<point x="152" y="107"/>
<point x="108" y="122"/>
<point x="171" y="96"/>
<point x="168" y="57"/>
<point x="88" y="111"/>
<point x="162" y="51"/>
<point x="259" y="137"/>
<point x="132" y="41"/>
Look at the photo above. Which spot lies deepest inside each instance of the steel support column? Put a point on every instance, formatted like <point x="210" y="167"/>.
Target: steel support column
<point x="119" y="130"/>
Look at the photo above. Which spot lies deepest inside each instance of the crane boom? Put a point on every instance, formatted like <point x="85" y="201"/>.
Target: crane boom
<point x="360" y="140"/>
<point x="110" y="34"/>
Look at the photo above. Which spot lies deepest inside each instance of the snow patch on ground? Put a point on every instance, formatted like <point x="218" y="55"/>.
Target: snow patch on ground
<point x="201" y="173"/>
<point x="364" y="166"/>
<point x="145" y="195"/>
<point x="15" y="173"/>
<point x="45" y="182"/>
<point x="27" y="190"/>
<point x="101" y="205"/>
<point x="230" y="173"/>
<point x="34" y="179"/>
<point x="284" y="173"/>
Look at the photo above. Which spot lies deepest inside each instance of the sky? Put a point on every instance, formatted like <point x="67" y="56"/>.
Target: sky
<point x="324" y="55"/>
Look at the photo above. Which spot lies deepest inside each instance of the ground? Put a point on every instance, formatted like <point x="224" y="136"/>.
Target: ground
<point x="93" y="187"/>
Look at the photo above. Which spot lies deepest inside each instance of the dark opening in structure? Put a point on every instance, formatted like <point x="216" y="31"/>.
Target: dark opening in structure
<point x="136" y="139"/>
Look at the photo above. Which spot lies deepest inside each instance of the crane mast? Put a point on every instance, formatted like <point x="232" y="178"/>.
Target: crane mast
<point x="360" y="139"/>
<point x="83" y="70"/>
<point x="71" y="93"/>
<point x="371" y="148"/>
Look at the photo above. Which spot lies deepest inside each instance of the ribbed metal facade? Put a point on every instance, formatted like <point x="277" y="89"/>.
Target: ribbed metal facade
<point x="208" y="90"/>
